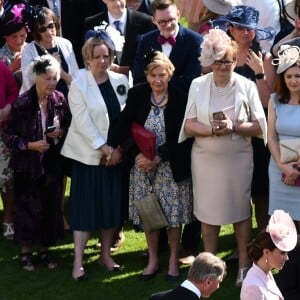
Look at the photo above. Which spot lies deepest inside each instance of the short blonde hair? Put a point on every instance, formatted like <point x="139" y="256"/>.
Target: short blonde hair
<point x="159" y="59"/>
<point x="88" y="48"/>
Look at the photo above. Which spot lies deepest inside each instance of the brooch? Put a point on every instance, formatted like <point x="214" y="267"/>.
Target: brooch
<point x="121" y="89"/>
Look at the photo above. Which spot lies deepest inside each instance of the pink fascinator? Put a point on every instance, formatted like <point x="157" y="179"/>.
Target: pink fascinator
<point x="282" y="230"/>
<point x="214" y="46"/>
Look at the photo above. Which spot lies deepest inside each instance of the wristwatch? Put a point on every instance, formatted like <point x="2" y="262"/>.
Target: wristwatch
<point x="259" y="76"/>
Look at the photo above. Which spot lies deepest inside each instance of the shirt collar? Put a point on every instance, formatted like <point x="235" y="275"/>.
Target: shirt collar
<point x="191" y="287"/>
<point x="123" y="18"/>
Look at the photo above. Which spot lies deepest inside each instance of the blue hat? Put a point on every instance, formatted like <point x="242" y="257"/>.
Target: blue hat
<point x="246" y="17"/>
<point x="102" y="35"/>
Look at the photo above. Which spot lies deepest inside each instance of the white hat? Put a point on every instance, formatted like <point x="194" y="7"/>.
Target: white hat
<point x="221" y="7"/>
<point x="290" y="10"/>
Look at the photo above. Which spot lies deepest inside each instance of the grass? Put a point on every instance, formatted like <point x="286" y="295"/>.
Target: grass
<point x="44" y="284"/>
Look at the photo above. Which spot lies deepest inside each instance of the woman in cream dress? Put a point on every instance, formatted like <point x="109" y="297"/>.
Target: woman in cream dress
<point x="222" y="158"/>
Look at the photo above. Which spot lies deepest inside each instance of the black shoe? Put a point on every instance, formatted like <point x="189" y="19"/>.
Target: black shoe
<point x="172" y="278"/>
<point x="146" y="277"/>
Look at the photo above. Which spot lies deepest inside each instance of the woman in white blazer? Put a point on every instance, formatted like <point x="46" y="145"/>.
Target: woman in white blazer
<point x="268" y="251"/>
<point x="96" y="98"/>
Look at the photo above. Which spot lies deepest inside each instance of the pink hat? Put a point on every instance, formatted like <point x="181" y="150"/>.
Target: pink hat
<point x="282" y="230"/>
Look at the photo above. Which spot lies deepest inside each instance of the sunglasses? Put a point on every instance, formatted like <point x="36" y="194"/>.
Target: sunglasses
<point x="49" y="26"/>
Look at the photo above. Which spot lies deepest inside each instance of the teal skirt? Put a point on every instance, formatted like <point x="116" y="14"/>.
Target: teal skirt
<point x="96" y="197"/>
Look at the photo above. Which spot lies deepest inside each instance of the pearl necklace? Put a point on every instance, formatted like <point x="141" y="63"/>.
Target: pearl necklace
<point x="157" y="104"/>
<point x="221" y="91"/>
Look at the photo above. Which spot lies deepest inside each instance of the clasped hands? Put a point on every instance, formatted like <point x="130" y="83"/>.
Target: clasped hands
<point x="222" y="127"/>
<point x="110" y="156"/>
<point x="291" y="171"/>
<point x="145" y="164"/>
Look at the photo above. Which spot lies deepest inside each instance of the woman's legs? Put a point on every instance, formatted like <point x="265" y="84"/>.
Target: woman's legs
<point x="8" y="207"/>
<point x="152" y="241"/>
<point x="80" y="240"/>
<point x="106" y="236"/>
<point x="174" y="234"/>
<point x="210" y="236"/>
<point x="242" y="233"/>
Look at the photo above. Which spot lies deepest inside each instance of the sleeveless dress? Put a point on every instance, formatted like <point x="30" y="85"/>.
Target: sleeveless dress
<point x="96" y="195"/>
<point x="284" y="196"/>
<point x="175" y="198"/>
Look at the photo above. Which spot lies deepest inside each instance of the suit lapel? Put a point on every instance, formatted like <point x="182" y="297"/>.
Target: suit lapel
<point x="179" y="45"/>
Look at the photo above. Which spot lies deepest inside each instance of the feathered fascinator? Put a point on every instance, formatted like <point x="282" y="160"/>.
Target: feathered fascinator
<point x="148" y="57"/>
<point x="282" y="230"/>
<point x="13" y="20"/>
<point x="101" y="35"/>
<point x="31" y="14"/>
<point x="287" y="57"/>
<point x="214" y="46"/>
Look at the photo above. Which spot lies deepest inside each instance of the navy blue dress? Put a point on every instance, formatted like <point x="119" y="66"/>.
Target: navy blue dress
<point x="97" y="199"/>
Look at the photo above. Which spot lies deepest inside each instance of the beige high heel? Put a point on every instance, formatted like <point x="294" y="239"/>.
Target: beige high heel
<point x="241" y="276"/>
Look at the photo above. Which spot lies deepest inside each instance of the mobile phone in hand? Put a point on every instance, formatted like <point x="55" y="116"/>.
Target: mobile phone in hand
<point x="50" y="129"/>
<point x="218" y="115"/>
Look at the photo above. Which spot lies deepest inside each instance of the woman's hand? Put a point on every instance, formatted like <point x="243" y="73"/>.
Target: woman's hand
<point x="145" y="164"/>
<point x="255" y="62"/>
<point x="291" y="171"/>
<point x="222" y="127"/>
<point x="116" y="157"/>
<point x="56" y="134"/>
<point x="16" y="63"/>
<point x="39" y="146"/>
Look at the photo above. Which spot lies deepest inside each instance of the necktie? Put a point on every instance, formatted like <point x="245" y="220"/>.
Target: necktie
<point x="162" y="40"/>
<point x="118" y="26"/>
<point x="55" y="8"/>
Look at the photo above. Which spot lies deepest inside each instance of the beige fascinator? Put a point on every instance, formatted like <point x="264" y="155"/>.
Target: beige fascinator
<point x="287" y="56"/>
<point x="221" y="7"/>
<point x="214" y="46"/>
<point x="282" y="230"/>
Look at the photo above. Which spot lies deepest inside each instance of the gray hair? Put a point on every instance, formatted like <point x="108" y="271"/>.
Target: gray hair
<point x="40" y="65"/>
<point x="206" y="265"/>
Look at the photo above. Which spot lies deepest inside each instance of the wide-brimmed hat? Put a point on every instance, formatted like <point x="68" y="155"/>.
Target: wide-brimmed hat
<point x="282" y="230"/>
<point x="290" y="10"/>
<point x="221" y="7"/>
<point x="13" y="20"/>
<point x="288" y="55"/>
<point x="245" y="17"/>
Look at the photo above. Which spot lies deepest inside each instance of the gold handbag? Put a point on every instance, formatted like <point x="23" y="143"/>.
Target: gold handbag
<point x="289" y="150"/>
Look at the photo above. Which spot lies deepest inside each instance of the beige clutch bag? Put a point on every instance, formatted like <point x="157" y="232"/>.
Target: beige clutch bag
<point x="289" y="150"/>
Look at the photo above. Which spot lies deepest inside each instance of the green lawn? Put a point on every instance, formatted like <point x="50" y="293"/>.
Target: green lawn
<point x="44" y="284"/>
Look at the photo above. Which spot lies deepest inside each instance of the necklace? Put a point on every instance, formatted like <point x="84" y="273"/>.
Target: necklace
<point x="221" y="91"/>
<point x="157" y="104"/>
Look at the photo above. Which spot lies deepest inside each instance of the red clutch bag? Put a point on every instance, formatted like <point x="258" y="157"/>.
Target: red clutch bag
<point x="144" y="139"/>
<point x="296" y="183"/>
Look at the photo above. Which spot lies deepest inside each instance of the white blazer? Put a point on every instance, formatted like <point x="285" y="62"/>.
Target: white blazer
<point x="247" y="103"/>
<point x="90" y="121"/>
<point x="259" y="286"/>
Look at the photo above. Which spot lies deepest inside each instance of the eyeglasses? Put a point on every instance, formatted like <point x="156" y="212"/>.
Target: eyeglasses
<point x="49" y="26"/>
<point x="163" y="23"/>
<point x="227" y="63"/>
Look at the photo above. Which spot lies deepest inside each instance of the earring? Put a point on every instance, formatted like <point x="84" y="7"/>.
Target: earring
<point x="267" y="261"/>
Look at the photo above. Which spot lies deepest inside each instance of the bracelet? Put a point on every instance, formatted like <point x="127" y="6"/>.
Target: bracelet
<point x="259" y="76"/>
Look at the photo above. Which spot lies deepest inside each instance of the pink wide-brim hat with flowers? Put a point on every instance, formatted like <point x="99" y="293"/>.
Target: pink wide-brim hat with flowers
<point x="282" y="230"/>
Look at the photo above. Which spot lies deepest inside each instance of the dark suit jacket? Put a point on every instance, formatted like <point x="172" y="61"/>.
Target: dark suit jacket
<point x="73" y="14"/>
<point x="137" y="23"/>
<point x="179" y="293"/>
<point x="184" y="56"/>
<point x="137" y="109"/>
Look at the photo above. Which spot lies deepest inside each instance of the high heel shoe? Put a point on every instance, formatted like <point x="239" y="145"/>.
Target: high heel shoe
<point x="114" y="268"/>
<point x="82" y="277"/>
<point x="241" y="276"/>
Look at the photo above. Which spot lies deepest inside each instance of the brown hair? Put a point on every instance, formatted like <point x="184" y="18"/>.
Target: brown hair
<point x="260" y="242"/>
<point x="161" y="5"/>
<point x="42" y="14"/>
<point x="88" y="48"/>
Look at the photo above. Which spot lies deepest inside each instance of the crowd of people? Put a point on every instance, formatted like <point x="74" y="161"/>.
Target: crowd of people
<point x="221" y="99"/>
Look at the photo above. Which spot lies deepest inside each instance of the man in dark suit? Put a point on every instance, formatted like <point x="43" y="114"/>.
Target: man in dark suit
<point x="204" y="277"/>
<point x="180" y="44"/>
<point x="129" y="22"/>
<point x="72" y="14"/>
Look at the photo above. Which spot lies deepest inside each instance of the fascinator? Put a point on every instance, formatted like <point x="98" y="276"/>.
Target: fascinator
<point x="214" y="46"/>
<point x="148" y="57"/>
<point x="246" y="17"/>
<point x="13" y="20"/>
<point x="282" y="230"/>
<point x="220" y="7"/>
<point x="31" y="14"/>
<point x="102" y="35"/>
<point x="287" y="56"/>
